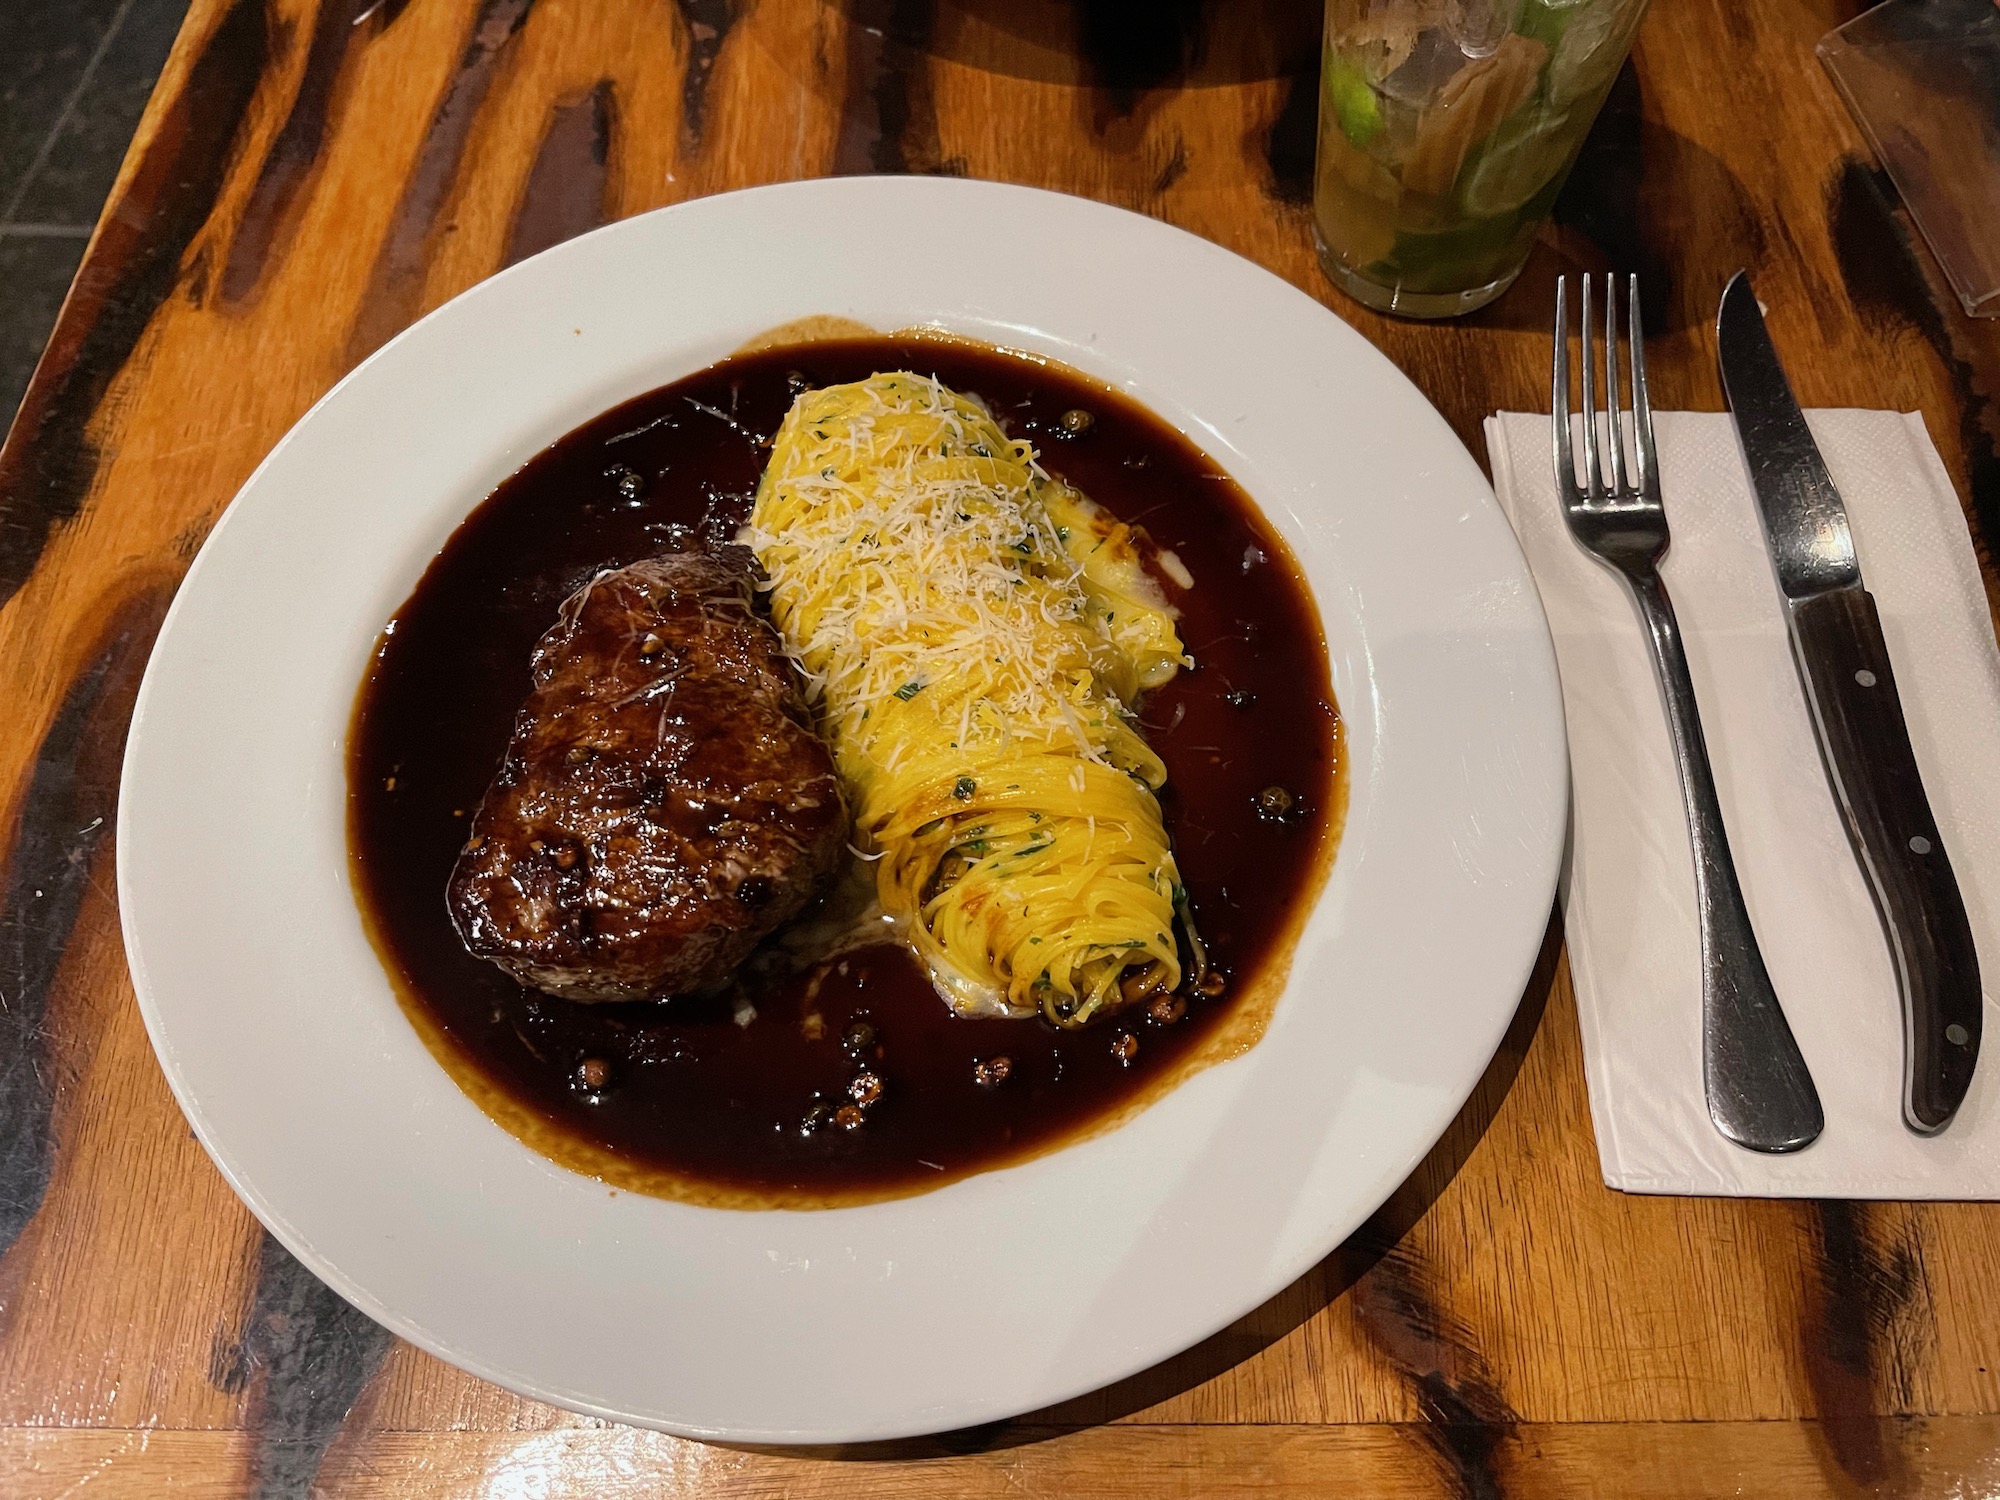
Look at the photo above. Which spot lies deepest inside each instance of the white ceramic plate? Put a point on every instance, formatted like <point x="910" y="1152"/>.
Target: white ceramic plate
<point x="278" y="1031"/>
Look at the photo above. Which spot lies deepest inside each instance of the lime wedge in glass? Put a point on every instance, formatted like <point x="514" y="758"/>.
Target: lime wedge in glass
<point x="1515" y="162"/>
<point x="1352" y="100"/>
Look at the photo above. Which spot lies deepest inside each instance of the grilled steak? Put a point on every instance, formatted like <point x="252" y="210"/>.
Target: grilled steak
<point x="664" y="803"/>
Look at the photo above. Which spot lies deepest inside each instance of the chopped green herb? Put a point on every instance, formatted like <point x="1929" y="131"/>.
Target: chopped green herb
<point x="965" y="788"/>
<point x="909" y="690"/>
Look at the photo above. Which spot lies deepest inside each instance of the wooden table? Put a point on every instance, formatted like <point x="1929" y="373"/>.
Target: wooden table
<point x="313" y="174"/>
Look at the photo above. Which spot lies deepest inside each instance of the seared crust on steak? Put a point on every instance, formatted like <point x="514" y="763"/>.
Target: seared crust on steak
<point x="665" y="801"/>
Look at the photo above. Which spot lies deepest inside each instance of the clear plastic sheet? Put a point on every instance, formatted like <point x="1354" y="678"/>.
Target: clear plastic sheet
<point x="1922" y="79"/>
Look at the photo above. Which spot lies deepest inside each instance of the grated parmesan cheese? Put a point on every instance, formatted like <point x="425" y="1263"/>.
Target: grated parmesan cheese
<point x="975" y="635"/>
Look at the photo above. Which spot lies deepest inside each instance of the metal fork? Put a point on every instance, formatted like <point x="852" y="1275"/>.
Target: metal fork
<point x="1760" y="1094"/>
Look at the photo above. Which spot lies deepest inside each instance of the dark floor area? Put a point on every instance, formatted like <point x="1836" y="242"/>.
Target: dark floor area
<point x="74" y="78"/>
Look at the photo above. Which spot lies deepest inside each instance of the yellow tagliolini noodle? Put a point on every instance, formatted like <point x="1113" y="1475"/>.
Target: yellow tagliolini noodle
<point x="976" y="635"/>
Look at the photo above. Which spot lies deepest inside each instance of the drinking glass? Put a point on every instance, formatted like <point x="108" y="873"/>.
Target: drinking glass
<point x="1446" y="129"/>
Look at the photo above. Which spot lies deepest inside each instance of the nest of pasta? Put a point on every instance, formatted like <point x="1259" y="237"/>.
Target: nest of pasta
<point x="976" y="636"/>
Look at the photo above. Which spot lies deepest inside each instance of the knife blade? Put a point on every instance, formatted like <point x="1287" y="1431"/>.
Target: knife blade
<point x="1850" y="688"/>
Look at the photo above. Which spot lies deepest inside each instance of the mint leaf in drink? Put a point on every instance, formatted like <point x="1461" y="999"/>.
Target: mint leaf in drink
<point x="1587" y="39"/>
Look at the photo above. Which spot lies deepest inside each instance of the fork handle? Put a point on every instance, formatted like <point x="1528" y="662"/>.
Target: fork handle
<point x="1760" y="1094"/>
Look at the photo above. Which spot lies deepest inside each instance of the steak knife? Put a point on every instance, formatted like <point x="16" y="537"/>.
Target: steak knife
<point x="1843" y="665"/>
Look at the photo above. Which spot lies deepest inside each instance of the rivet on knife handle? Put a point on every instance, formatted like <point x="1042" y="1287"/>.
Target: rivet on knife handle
<point x="1852" y="691"/>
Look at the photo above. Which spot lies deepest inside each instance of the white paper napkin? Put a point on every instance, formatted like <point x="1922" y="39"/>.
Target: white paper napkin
<point x="1628" y="892"/>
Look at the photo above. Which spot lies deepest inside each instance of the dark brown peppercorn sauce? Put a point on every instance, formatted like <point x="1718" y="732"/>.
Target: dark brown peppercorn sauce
<point x="731" y="1099"/>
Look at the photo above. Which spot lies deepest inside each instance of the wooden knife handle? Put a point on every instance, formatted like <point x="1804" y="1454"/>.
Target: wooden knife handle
<point x="1851" y="688"/>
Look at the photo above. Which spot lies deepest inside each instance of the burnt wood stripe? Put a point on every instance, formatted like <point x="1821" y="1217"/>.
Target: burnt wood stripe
<point x="305" y="1354"/>
<point x="889" y="122"/>
<point x="706" y="25"/>
<point x="1886" y="282"/>
<point x="1293" y="139"/>
<point x="1864" y="1305"/>
<point x="50" y="461"/>
<point x="568" y="188"/>
<point x="1132" y="47"/>
<point x="69" y="806"/>
<point x="1467" y="1422"/>
<point x="293" y="159"/>
<point x="396" y="284"/>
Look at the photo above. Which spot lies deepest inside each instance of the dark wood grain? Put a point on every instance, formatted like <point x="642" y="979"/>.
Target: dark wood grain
<point x="294" y="154"/>
<point x="50" y="457"/>
<point x="313" y="174"/>
<point x="65" y="815"/>
<point x="395" y="286"/>
<point x="708" y="24"/>
<point x="569" y="189"/>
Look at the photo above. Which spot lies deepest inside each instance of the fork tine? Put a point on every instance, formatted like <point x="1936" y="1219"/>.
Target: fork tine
<point x="1614" y="431"/>
<point x="1644" y="454"/>
<point x="1559" y="396"/>
<point x="1593" y="483"/>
